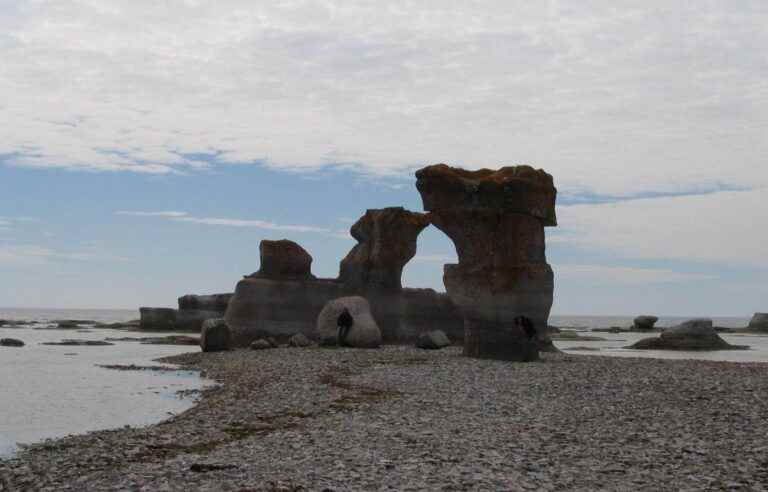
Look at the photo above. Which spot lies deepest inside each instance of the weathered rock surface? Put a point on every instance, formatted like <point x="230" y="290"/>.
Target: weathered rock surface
<point x="695" y="334"/>
<point x="158" y="319"/>
<point x="195" y="309"/>
<point x="299" y="340"/>
<point x="432" y="340"/>
<point x="284" y="259"/>
<point x="759" y="322"/>
<point x="386" y="242"/>
<point x="261" y="344"/>
<point x="496" y="221"/>
<point x="215" y="336"/>
<point x="11" y="342"/>
<point x="364" y="332"/>
<point x="644" y="323"/>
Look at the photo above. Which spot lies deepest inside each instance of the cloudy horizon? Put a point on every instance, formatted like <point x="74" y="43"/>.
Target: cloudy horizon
<point x="147" y="147"/>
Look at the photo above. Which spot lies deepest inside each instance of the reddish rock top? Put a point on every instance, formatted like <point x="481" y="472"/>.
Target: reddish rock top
<point x="284" y="259"/>
<point x="517" y="189"/>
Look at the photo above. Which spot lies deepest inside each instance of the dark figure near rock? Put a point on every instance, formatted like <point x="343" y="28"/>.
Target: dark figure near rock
<point x="527" y="326"/>
<point x="344" y="322"/>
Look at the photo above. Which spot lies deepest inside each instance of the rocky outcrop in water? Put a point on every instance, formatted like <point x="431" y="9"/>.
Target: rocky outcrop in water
<point x="496" y="220"/>
<point x="157" y="319"/>
<point x="695" y="334"/>
<point x="644" y="323"/>
<point x="759" y="322"/>
<point x="195" y="309"/>
<point x="386" y="242"/>
<point x="11" y="342"/>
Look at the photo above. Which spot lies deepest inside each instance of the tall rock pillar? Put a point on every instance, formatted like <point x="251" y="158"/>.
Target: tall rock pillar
<point x="496" y="220"/>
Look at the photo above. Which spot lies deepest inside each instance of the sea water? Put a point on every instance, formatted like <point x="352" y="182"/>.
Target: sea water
<point x="51" y="391"/>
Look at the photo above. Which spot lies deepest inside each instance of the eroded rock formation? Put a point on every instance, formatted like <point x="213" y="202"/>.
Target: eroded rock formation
<point x="695" y="334"/>
<point x="386" y="242"/>
<point x="759" y="322"/>
<point x="496" y="220"/>
<point x="195" y="309"/>
<point x="284" y="259"/>
<point x="161" y="319"/>
<point x="644" y="323"/>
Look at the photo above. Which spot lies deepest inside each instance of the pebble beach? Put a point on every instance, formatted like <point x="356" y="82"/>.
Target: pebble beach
<point x="400" y="418"/>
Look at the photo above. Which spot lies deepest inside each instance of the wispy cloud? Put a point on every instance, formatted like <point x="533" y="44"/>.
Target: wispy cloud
<point x="259" y="224"/>
<point x="614" y="100"/>
<point x="602" y="274"/>
<point x="32" y="255"/>
<point x="229" y="222"/>
<point x="168" y="213"/>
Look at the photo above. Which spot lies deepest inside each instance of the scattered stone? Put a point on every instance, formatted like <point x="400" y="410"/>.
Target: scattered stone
<point x="364" y="332"/>
<point x="695" y="334"/>
<point x="299" y="340"/>
<point x="134" y="367"/>
<point x="433" y="340"/>
<point x="166" y="340"/>
<point x="79" y="343"/>
<point x="11" y="342"/>
<point x="208" y="467"/>
<point x="215" y="336"/>
<point x="645" y="323"/>
<point x="261" y="344"/>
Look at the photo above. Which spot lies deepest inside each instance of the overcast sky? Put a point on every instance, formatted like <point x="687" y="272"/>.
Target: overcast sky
<point x="147" y="147"/>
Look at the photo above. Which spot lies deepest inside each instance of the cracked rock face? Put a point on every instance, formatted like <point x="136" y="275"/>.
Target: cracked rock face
<point x="496" y="220"/>
<point x="386" y="242"/>
<point x="284" y="259"/>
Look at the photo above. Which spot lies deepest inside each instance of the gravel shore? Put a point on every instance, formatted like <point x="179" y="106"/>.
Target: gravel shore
<point x="400" y="418"/>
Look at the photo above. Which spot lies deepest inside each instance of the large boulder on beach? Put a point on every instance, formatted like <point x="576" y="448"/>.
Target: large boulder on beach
<point x="433" y="340"/>
<point x="644" y="323"/>
<point x="159" y="319"/>
<point x="11" y="342"/>
<point x="364" y="332"/>
<point x="283" y="259"/>
<point x="695" y="334"/>
<point x="759" y="322"/>
<point x="215" y="336"/>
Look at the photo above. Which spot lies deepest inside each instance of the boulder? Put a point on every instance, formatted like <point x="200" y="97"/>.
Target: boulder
<point x="284" y="259"/>
<point x="261" y="344"/>
<point x="159" y="319"/>
<point x="364" y="332"/>
<point x="644" y="323"/>
<point x="496" y="221"/>
<point x="433" y="340"/>
<point x="215" y="336"/>
<point x="299" y="340"/>
<point x="11" y="342"/>
<point x="759" y="322"/>
<point x="695" y="334"/>
<point x="386" y="242"/>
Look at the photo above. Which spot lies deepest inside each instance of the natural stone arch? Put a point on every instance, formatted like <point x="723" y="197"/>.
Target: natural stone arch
<point x="434" y="259"/>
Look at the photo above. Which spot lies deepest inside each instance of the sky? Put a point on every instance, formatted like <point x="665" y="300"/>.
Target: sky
<point x="147" y="147"/>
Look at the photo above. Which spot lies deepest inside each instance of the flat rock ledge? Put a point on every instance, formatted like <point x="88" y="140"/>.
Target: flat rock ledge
<point x="407" y="419"/>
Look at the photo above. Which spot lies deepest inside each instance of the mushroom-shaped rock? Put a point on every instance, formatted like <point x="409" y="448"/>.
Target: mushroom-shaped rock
<point x="759" y="322"/>
<point x="159" y="319"/>
<point x="644" y="323"/>
<point x="284" y="259"/>
<point x="215" y="336"/>
<point x="496" y="221"/>
<point x="386" y="242"/>
<point x="695" y="334"/>
<point x="362" y="332"/>
<point x="433" y="340"/>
